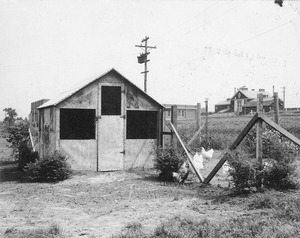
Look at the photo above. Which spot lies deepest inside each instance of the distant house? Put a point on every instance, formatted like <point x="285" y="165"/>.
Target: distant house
<point x="223" y="106"/>
<point x="244" y="101"/>
<point x="184" y="112"/>
<point x="243" y="96"/>
<point x="107" y="124"/>
<point x="268" y="105"/>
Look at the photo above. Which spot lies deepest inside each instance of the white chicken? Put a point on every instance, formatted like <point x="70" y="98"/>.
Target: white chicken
<point x="198" y="162"/>
<point x="207" y="154"/>
<point x="225" y="168"/>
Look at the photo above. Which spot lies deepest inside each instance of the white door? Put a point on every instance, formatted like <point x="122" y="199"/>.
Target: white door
<point x="111" y="143"/>
<point x="111" y="129"/>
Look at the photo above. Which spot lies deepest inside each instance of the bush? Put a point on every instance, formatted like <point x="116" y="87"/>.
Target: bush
<point x="278" y="170"/>
<point x="244" y="172"/>
<point x="51" y="168"/>
<point x="18" y="137"/>
<point x="280" y="175"/>
<point x="26" y="156"/>
<point x="168" y="160"/>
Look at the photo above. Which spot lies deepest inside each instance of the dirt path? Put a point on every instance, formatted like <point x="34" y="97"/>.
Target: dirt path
<point x="94" y="204"/>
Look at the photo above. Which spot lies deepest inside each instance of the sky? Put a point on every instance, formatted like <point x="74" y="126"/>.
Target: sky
<point x="204" y="49"/>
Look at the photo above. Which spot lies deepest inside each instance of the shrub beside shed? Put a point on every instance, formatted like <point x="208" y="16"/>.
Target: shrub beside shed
<point x="108" y="124"/>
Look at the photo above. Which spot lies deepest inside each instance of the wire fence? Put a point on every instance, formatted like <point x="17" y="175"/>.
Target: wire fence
<point x="222" y="130"/>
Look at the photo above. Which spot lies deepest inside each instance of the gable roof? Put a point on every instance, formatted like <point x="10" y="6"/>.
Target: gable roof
<point x="222" y="103"/>
<point x="67" y="94"/>
<point x="251" y="94"/>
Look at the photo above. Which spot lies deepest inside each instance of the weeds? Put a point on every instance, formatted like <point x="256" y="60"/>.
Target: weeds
<point x="50" y="168"/>
<point x="54" y="231"/>
<point x="168" y="159"/>
<point x="243" y="227"/>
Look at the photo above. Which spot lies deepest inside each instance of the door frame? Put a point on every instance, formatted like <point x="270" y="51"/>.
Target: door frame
<point x="98" y="117"/>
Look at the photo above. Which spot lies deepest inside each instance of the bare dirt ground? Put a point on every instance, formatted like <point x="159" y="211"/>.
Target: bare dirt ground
<point x="94" y="204"/>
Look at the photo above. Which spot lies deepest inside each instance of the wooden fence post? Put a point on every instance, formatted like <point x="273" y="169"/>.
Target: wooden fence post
<point x="259" y="128"/>
<point x="198" y="115"/>
<point x="276" y="108"/>
<point x="206" y="117"/>
<point x="174" y="122"/>
<point x="160" y="124"/>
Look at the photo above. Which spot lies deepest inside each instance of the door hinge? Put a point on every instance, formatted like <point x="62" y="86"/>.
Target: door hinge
<point x="122" y="152"/>
<point x="98" y="117"/>
<point x="123" y="91"/>
<point x="123" y="116"/>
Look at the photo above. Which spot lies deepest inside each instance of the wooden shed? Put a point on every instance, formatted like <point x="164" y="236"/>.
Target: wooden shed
<point x="107" y="124"/>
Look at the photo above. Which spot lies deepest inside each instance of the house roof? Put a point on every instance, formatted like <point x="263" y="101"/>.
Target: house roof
<point x="251" y="93"/>
<point x="266" y="102"/>
<point x="65" y="95"/>
<point x="225" y="102"/>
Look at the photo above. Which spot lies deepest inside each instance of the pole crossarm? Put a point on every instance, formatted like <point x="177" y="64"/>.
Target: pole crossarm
<point x="143" y="58"/>
<point x="188" y="154"/>
<point x="143" y="46"/>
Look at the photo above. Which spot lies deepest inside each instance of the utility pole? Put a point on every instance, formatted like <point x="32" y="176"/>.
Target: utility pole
<point x="143" y="58"/>
<point x="283" y="88"/>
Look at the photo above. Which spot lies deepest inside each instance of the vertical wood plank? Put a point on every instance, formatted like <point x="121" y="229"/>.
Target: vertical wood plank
<point x="259" y="129"/>
<point x="276" y="108"/>
<point x="160" y="127"/>
<point x="198" y="115"/>
<point x="175" y="123"/>
<point x="206" y="118"/>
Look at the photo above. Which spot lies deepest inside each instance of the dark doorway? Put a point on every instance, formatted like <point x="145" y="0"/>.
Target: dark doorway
<point x="110" y="100"/>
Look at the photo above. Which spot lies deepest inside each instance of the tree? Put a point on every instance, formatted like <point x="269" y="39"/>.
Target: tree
<point x="10" y="115"/>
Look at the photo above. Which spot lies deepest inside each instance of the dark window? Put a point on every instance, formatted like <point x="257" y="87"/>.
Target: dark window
<point x="141" y="125"/>
<point x="77" y="124"/>
<point x="110" y="100"/>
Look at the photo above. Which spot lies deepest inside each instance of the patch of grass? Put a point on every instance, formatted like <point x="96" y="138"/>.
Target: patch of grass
<point x="54" y="231"/>
<point x="285" y="207"/>
<point x="185" y="227"/>
<point x="262" y="201"/>
<point x="288" y="209"/>
<point x="264" y="225"/>
<point x="132" y="230"/>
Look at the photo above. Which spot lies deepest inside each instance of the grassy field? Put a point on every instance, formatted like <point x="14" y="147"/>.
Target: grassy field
<point x="135" y="204"/>
<point x="224" y="129"/>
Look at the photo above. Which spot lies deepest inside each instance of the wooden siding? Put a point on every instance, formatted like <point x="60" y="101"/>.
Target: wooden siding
<point x="47" y="134"/>
<point x="85" y="98"/>
<point x="139" y="153"/>
<point x="136" y="101"/>
<point x="81" y="153"/>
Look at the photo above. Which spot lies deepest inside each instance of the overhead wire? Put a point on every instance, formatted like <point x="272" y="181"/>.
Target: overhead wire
<point x="186" y="21"/>
<point x="263" y="33"/>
